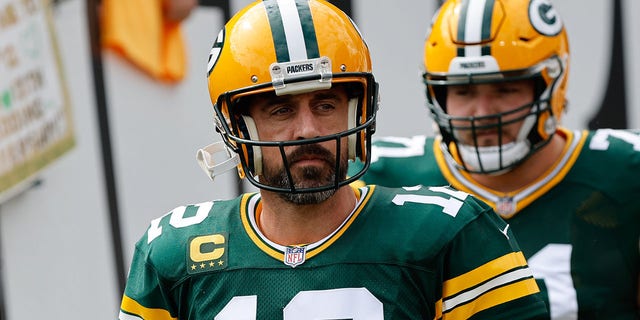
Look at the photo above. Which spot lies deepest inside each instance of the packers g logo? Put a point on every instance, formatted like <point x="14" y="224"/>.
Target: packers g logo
<point x="214" y="54"/>
<point x="544" y="17"/>
<point x="207" y="253"/>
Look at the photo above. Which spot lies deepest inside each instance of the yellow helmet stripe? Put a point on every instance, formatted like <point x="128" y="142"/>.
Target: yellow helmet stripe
<point x="292" y="30"/>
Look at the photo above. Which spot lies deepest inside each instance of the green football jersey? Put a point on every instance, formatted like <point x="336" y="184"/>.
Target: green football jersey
<point x="406" y="253"/>
<point x="578" y="225"/>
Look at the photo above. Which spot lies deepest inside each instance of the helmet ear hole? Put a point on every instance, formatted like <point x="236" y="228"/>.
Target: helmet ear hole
<point x="249" y="131"/>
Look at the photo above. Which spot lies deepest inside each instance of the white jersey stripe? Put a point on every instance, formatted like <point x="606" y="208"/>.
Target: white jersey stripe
<point x="124" y="316"/>
<point x="512" y="276"/>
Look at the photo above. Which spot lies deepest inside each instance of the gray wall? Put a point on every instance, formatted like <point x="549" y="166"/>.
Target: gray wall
<point x="55" y="239"/>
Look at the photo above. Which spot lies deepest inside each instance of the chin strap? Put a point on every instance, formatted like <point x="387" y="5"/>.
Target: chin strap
<point x="494" y="159"/>
<point x="206" y="161"/>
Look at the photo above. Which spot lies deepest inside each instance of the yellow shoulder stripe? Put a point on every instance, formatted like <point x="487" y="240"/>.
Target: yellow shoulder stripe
<point x="498" y="281"/>
<point x="493" y="298"/>
<point x="489" y="270"/>
<point x="131" y="306"/>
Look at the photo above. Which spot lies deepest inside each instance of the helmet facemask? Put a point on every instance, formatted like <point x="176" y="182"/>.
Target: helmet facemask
<point x="242" y="136"/>
<point x="460" y="134"/>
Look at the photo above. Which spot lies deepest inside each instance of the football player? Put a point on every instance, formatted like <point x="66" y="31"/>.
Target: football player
<point x="496" y="75"/>
<point x="294" y="100"/>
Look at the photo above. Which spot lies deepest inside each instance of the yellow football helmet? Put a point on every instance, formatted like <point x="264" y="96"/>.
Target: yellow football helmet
<point x="483" y="41"/>
<point x="287" y="47"/>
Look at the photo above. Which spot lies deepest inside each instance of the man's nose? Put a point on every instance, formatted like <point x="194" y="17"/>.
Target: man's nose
<point x="308" y="125"/>
<point x="484" y="105"/>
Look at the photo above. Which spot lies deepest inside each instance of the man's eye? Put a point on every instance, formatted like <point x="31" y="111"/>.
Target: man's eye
<point x="280" y="110"/>
<point x="326" y="106"/>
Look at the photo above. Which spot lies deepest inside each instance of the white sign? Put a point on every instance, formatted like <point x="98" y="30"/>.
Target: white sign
<point x="35" y="117"/>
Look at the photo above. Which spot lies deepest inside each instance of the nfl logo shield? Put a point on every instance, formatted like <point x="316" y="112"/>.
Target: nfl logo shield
<point x="294" y="256"/>
<point x="506" y="207"/>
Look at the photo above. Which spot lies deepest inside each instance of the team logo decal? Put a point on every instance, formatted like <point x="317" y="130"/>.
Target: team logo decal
<point x="544" y="17"/>
<point x="215" y="52"/>
<point x="207" y="253"/>
<point x="295" y="256"/>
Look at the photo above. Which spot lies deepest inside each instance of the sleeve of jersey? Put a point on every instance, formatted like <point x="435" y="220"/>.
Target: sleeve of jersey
<point x="487" y="275"/>
<point x="145" y="296"/>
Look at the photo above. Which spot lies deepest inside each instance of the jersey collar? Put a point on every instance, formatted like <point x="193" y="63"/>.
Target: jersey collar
<point x="251" y="207"/>
<point x="510" y="203"/>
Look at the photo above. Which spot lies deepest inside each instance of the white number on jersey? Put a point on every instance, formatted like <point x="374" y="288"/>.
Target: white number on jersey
<point x="552" y="264"/>
<point x="345" y="303"/>
<point x="178" y="220"/>
<point x="600" y="140"/>
<point x="449" y="206"/>
<point x="408" y="147"/>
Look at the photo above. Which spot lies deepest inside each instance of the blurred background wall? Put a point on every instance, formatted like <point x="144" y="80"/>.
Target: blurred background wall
<point x="66" y="241"/>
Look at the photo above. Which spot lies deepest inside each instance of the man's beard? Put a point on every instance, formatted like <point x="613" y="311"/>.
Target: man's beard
<point x="308" y="177"/>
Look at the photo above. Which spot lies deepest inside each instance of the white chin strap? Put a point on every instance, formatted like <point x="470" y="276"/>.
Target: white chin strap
<point x="499" y="158"/>
<point x="205" y="158"/>
<point x="493" y="158"/>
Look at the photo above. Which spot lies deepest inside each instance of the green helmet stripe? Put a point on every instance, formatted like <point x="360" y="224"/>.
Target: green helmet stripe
<point x="277" y="30"/>
<point x="474" y="27"/>
<point x="292" y="29"/>
<point x="308" y="29"/>
<point x="486" y="26"/>
<point x="462" y="23"/>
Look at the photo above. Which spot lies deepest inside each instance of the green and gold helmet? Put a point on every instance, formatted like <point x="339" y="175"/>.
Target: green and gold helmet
<point x="489" y="41"/>
<point x="289" y="47"/>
